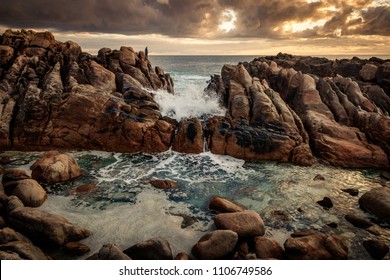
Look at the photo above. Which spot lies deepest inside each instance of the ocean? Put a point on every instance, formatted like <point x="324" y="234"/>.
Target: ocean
<point x="126" y="209"/>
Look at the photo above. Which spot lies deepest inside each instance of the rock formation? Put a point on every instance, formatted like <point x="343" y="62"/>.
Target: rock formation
<point x="52" y="95"/>
<point x="283" y="108"/>
<point x="289" y="108"/>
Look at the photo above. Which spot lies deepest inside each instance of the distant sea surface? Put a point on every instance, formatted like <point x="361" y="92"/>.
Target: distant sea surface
<point x="196" y="70"/>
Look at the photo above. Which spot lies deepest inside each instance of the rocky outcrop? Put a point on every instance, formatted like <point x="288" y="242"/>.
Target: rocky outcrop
<point x="288" y="108"/>
<point x="52" y="95"/>
<point x="259" y="125"/>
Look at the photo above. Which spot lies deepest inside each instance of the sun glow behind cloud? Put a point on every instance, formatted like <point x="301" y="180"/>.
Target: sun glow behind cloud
<point x="228" y="21"/>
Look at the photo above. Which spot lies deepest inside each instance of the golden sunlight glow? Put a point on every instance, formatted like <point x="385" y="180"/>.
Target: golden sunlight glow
<point x="228" y="21"/>
<point x="294" y="26"/>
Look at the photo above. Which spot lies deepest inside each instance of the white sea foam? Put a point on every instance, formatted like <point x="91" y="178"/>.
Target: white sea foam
<point x="128" y="224"/>
<point x="189" y="102"/>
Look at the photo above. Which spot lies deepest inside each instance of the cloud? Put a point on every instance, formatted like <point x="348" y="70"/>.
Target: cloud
<point x="202" y="18"/>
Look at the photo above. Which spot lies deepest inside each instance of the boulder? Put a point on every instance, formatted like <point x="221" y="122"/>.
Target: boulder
<point x="152" y="249"/>
<point x="54" y="167"/>
<point x="182" y="257"/>
<point x="315" y="246"/>
<point x="376" y="248"/>
<point x="21" y="250"/>
<point x="351" y="191"/>
<point x="29" y="192"/>
<point x="110" y="252"/>
<point x="76" y="248"/>
<point x="377" y="202"/>
<point x="358" y="221"/>
<point x="44" y="227"/>
<point x="267" y="248"/>
<point x="12" y="176"/>
<point x="246" y="223"/>
<point x="163" y="184"/>
<point x="189" y="138"/>
<point x="218" y="244"/>
<point x="326" y="203"/>
<point x="223" y="205"/>
<point x="7" y="234"/>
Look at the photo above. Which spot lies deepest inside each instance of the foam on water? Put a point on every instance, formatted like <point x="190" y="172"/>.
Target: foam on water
<point x="153" y="215"/>
<point x="189" y="102"/>
<point x="126" y="209"/>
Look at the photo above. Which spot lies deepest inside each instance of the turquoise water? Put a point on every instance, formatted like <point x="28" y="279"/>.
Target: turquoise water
<point x="126" y="209"/>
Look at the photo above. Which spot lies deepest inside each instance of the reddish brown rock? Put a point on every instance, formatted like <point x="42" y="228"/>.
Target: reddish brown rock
<point x="152" y="249"/>
<point x="12" y="176"/>
<point x="29" y="192"/>
<point x="268" y="248"/>
<point x="110" y="252"/>
<point x="215" y="245"/>
<point x="189" y="138"/>
<point x="377" y="202"/>
<point x="83" y="189"/>
<point x="163" y="184"/>
<point x="316" y="246"/>
<point x="223" y="205"/>
<point x="44" y="227"/>
<point x="76" y="248"/>
<point x="183" y="257"/>
<point x="245" y="224"/>
<point x="54" y="167"/>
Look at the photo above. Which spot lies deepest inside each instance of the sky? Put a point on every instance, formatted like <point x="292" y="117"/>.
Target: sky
<point x="212" y="27"/>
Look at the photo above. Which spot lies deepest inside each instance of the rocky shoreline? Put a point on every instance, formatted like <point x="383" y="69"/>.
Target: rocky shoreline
<point x="284" y="108"/>
<point x="30" y="233"/>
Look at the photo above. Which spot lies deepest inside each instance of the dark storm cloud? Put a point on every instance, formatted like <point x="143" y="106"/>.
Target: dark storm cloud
<point x="197" y="18"/>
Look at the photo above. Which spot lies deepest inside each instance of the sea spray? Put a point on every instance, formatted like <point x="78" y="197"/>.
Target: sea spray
<point x="192" y="102"/>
